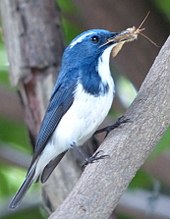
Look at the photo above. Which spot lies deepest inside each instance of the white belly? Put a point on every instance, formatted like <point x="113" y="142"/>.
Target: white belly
<point x="77" y="125"/>
<point x="82" y="119"/>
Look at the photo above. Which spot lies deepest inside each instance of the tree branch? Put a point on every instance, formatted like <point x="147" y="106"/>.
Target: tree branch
<point x="10" y="105"/>
<point x="102" y="184"/>
<point x="34" y="45"/>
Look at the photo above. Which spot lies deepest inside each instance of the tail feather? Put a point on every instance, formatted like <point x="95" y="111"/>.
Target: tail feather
<point x="23" y="189"/>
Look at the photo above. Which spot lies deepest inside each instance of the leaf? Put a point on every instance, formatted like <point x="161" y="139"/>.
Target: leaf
<point x="14" y="133"/>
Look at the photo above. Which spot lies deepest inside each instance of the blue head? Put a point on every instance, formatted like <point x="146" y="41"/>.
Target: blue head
<point x="88" y="46"/>
<point x="83" y="56"/>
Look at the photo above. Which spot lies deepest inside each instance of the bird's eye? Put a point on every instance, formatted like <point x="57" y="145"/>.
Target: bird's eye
<point x="95" y="39"/>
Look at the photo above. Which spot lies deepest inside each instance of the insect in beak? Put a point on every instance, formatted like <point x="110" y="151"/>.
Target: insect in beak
<point x="128" y="35"/>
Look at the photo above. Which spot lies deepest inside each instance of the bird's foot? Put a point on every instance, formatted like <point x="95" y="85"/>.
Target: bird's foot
<point x="95" y="158"/>
<point x="108" y="129"/>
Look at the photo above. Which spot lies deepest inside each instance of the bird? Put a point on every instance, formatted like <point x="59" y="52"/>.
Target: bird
<point x="81" y="99"/>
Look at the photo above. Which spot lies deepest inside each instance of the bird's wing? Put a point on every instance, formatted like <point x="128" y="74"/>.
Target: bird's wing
<point x="61" y="100"/>
<point x="50" y="167"/>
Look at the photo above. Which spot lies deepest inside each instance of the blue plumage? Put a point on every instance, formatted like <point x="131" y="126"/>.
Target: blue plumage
<point x="60" y="102"/>
<point x="91" y="81"/>
<point x="79" y="103"/>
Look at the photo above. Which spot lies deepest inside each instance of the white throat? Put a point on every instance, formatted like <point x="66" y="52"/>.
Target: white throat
<point x="103" y="67"/>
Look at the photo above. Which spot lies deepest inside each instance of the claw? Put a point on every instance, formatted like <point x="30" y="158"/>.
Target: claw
<point x="108" y="129"/>
<point x="95" y="158"/>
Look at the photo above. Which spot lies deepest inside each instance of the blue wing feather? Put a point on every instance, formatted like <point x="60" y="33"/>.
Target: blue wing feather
<point x="60" y="101"/>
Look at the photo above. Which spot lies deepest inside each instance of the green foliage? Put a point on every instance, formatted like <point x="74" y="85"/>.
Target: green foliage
<point x="66" y="6"/>
<point x="14" y="133"/>
<point x="141" y="180"/>
<point x="33" y="213"/>
<point x="163" y="6"/>
<point x="125" y="90"/>
<point x="163" y="145"/>
<point x="4" y="184"/>
<point x="125" y="217"/>
<point x="4" y="78"/>
<point x="12" y="178"/>
<point x="70" y="30"/>
<point x="3" y="57"/>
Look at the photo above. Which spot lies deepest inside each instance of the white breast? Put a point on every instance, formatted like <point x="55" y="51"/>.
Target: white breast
<point x="83" y="118"/>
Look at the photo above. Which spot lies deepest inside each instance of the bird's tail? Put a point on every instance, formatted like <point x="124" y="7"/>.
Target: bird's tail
<point x="23" y="189"/>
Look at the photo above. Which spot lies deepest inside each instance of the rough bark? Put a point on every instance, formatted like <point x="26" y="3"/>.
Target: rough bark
<point x="10" y="109"/>
<point x="101" y="185"/>
<point x="34" y="45"/>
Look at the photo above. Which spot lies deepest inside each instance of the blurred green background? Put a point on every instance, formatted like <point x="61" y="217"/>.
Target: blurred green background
<point x="14" y="141"/>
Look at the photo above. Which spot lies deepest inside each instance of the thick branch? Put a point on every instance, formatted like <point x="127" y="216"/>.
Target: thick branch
<point x="101" y="185"/>
<point x="10" y="105"/>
